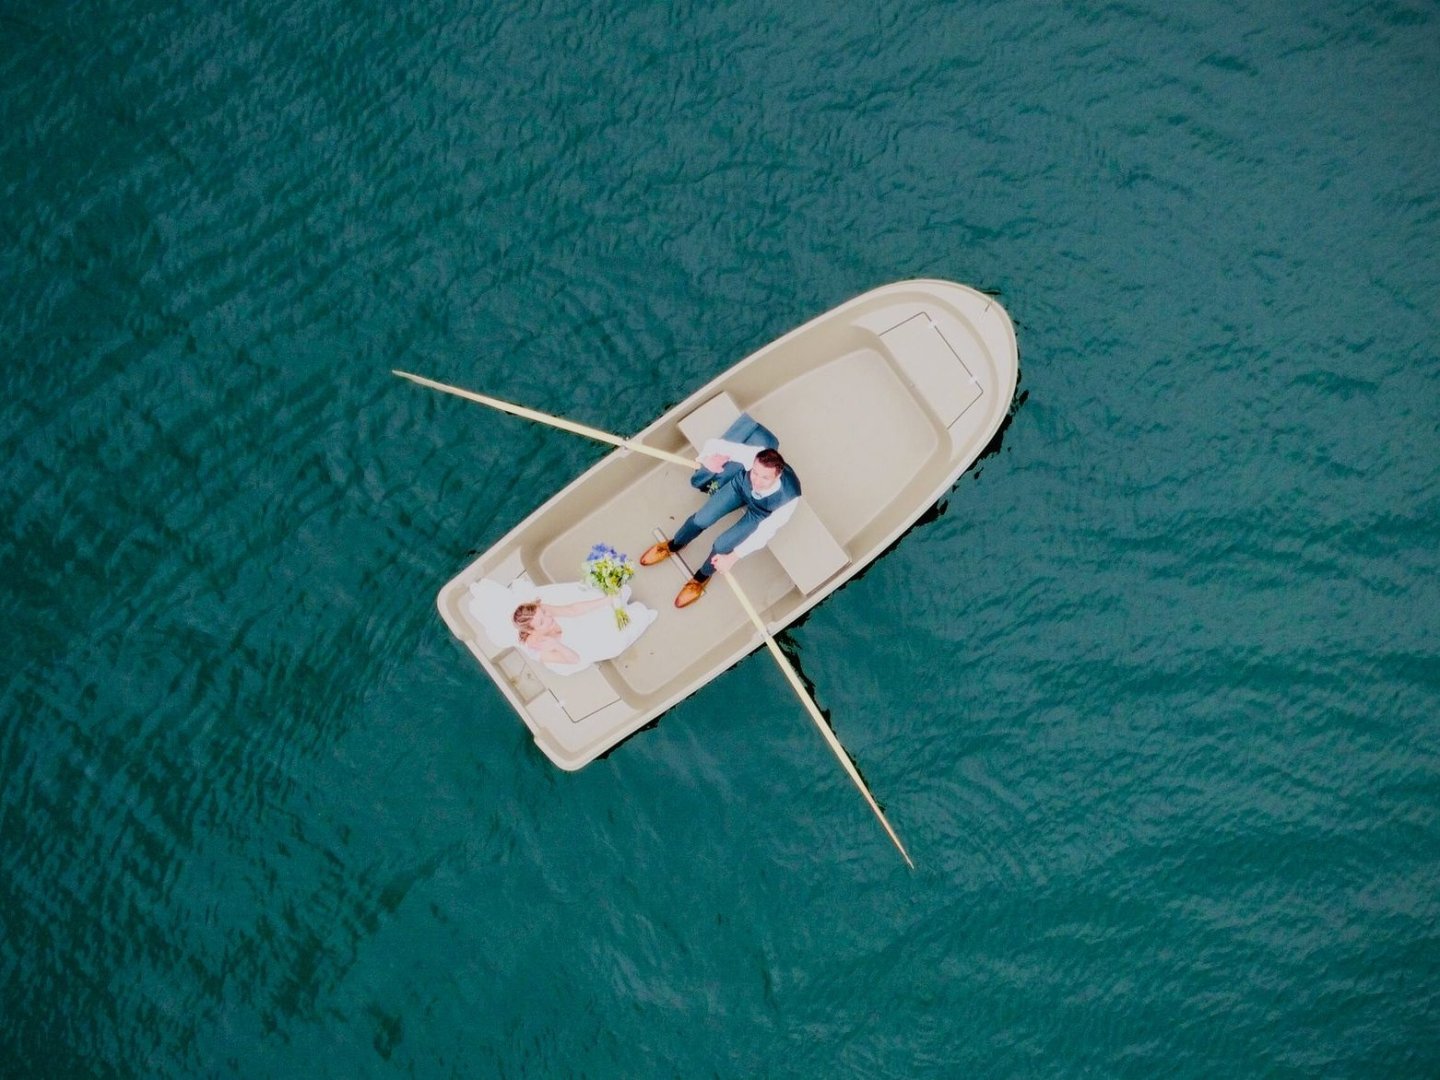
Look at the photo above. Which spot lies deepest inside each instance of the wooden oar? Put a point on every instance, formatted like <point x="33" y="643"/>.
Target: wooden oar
<point x="811" y="708"/>
<point x="689" y="463"/>
<point x="553" y="421"/>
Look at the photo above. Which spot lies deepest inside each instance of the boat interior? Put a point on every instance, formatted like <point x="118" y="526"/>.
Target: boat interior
<point x="873" y="429"/>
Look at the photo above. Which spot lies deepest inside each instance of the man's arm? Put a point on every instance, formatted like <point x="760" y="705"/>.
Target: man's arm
<point x="734" y="451"/>
<point x="766" y="529"/>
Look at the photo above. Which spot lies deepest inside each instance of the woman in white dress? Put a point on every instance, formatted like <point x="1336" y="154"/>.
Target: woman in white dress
<point x="567" y="626"/>
<point x="568" y="637"/>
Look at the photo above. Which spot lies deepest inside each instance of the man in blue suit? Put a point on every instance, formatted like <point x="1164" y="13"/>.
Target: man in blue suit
<point x="742" y="470"/>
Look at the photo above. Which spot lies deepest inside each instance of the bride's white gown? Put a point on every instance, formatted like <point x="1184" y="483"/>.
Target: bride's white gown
<point x="593" y="636"/>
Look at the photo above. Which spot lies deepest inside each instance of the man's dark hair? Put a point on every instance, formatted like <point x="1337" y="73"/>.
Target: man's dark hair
<point x="771" y="459"/>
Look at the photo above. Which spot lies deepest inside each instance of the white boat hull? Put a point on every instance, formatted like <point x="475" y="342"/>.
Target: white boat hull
<point x="880" y="404"/>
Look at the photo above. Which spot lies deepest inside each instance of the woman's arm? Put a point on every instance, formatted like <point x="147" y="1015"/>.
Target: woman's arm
<point x="561" y="611"/>
<point x="557" y="652"/>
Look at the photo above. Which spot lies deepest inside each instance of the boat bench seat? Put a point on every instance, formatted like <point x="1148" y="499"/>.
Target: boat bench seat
<point x="805" y="548"/>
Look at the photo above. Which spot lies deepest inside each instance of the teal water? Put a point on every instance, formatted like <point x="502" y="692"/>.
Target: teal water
<point x="1154" y="702"/>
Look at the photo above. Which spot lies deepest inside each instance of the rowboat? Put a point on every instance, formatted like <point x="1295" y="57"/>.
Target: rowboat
<point x="880" y="404"/>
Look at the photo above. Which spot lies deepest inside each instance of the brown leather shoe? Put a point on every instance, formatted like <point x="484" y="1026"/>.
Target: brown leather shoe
<point x="655" y="553"/>
<point x="691" y="591"/>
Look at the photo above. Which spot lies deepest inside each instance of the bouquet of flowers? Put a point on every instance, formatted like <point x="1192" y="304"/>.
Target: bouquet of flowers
<point x="608" y="570"/>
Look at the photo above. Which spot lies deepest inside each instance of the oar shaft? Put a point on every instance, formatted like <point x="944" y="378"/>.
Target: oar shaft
<point x="665" y="455"/>
<point x="553" y="421"/>
<point x="814" y="711"/>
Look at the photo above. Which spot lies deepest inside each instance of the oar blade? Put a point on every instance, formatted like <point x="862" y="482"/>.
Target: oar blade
<point x="793" y="677"/>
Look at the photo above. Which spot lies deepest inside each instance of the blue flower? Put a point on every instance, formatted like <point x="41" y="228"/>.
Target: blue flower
<point x="607" y="569"/>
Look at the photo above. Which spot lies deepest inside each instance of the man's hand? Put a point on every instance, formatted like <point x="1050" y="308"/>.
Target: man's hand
<point x="715" y="462"/>
<point x="721" y="563"/>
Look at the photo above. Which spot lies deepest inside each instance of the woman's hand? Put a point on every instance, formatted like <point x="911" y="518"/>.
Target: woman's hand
<point x="557" y="652"/>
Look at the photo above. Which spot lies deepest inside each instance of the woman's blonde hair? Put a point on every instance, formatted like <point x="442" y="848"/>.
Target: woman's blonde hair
<point x="523" y="618"/>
